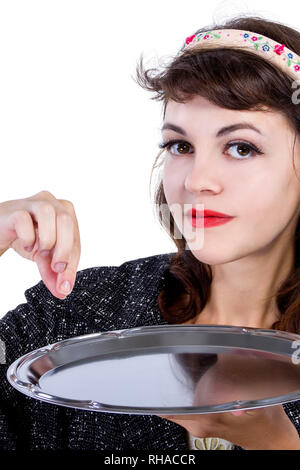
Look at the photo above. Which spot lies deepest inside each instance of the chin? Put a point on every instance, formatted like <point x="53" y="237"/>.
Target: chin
<point x="211" y="258"/>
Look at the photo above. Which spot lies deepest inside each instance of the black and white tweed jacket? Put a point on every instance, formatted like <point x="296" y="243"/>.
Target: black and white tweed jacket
<point x="104" y="298"/>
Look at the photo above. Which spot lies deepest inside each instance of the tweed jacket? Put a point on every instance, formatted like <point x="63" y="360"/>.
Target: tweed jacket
<point x="103" y="298"/>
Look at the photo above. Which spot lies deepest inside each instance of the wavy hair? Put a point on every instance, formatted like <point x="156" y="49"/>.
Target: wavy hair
<point x="234" y="79"/>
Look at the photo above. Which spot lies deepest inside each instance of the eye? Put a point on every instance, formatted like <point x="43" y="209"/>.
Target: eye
<point x="182" y="144"/>
<point x="245" y="150"/>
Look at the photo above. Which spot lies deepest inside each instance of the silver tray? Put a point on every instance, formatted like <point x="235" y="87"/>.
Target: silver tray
<point x="169" y="369"/>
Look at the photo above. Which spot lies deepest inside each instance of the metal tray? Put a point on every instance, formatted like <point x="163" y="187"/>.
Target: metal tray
<point x="169" y="369"/>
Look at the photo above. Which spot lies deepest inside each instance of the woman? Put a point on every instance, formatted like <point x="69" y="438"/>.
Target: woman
<point x="243" y="272"/>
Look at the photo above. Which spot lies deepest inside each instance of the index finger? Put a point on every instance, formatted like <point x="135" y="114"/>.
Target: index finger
<point x="59" y="284"/>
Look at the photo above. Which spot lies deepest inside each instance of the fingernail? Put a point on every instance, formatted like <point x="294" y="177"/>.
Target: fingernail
<point x="65" y="287"/>
<point x="238" y="412"/>
<point x="60" y="267"/>
<point x="28" y="248"/>
<point x="44" y="252"/>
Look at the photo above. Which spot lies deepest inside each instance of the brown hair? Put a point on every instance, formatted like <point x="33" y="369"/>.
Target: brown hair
<point x="234" y="79"/>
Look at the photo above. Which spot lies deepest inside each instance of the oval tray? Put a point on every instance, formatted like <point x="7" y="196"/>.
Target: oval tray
<point x="169" y="369"/>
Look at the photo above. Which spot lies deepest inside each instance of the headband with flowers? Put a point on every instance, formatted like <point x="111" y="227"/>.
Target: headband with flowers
<point x="278" y="54"/>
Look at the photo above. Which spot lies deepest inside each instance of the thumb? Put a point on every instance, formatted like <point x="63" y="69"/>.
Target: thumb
<point x="48" y="276"/>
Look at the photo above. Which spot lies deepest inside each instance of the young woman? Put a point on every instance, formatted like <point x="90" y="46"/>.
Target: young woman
<point x="230" y="144"/>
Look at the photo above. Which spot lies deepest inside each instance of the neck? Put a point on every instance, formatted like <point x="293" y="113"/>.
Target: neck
<point x="243" y="292"/>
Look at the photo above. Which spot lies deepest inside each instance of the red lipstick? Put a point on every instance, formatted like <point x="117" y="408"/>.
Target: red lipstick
<point x="211" y="218"/>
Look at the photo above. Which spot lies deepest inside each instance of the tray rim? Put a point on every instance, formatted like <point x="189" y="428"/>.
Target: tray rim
<point x="35" y="392"/>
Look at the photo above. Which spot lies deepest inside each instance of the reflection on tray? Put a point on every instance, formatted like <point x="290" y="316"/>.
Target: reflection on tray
<point x="241" y="375"/>
<point x="179" y="380"/>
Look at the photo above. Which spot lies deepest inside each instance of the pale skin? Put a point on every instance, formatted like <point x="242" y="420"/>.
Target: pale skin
<point x="49" y="227"/>
<point x="252" y="254"/>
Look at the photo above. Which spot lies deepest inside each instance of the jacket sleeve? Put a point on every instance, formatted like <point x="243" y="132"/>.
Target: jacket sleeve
<point x="43" y="319"/>
<point x="19" y="334"/>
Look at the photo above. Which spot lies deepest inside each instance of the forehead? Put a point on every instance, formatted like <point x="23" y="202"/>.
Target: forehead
<point x="199" y="111"/>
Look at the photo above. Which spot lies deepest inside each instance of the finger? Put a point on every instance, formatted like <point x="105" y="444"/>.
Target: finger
<point x="48" y="276"/>
<point x="54" y="280"/>
<point x="66" y="250"/>
<point x="178" y="418"/>
<point x="24" y="229"/>
<point x="170" y="417"/>
<point x="69" y="275"/>
<point x="238" y="412"/>
<point x="44" y="215"/>
<point x="65" y="237"/>
<point x="66" y="280"/>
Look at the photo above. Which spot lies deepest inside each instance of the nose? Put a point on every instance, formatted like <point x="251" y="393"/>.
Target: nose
<point x="202" y="178"/>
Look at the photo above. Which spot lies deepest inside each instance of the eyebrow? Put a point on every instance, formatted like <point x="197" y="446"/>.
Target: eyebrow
<point x="220" y="133"/>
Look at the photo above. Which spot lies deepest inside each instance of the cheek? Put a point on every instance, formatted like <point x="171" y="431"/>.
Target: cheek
<point x="269" y="201"/>
<point x="264" y="198"/>
<point x="172" y="182"/>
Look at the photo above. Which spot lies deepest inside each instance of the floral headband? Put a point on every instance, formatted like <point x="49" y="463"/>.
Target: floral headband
<point x="278" y="54"/>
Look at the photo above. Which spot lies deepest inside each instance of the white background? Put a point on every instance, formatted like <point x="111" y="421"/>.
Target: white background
<point x="74" y="122"/>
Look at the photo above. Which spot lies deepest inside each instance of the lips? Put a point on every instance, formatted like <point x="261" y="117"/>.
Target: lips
<point x="206" y="213"/>
<point x="207" y="218"/>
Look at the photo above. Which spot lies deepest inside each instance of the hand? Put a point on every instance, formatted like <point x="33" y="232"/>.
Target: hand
<point x="38" y="223"/>
<point x="255" y="429"/>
